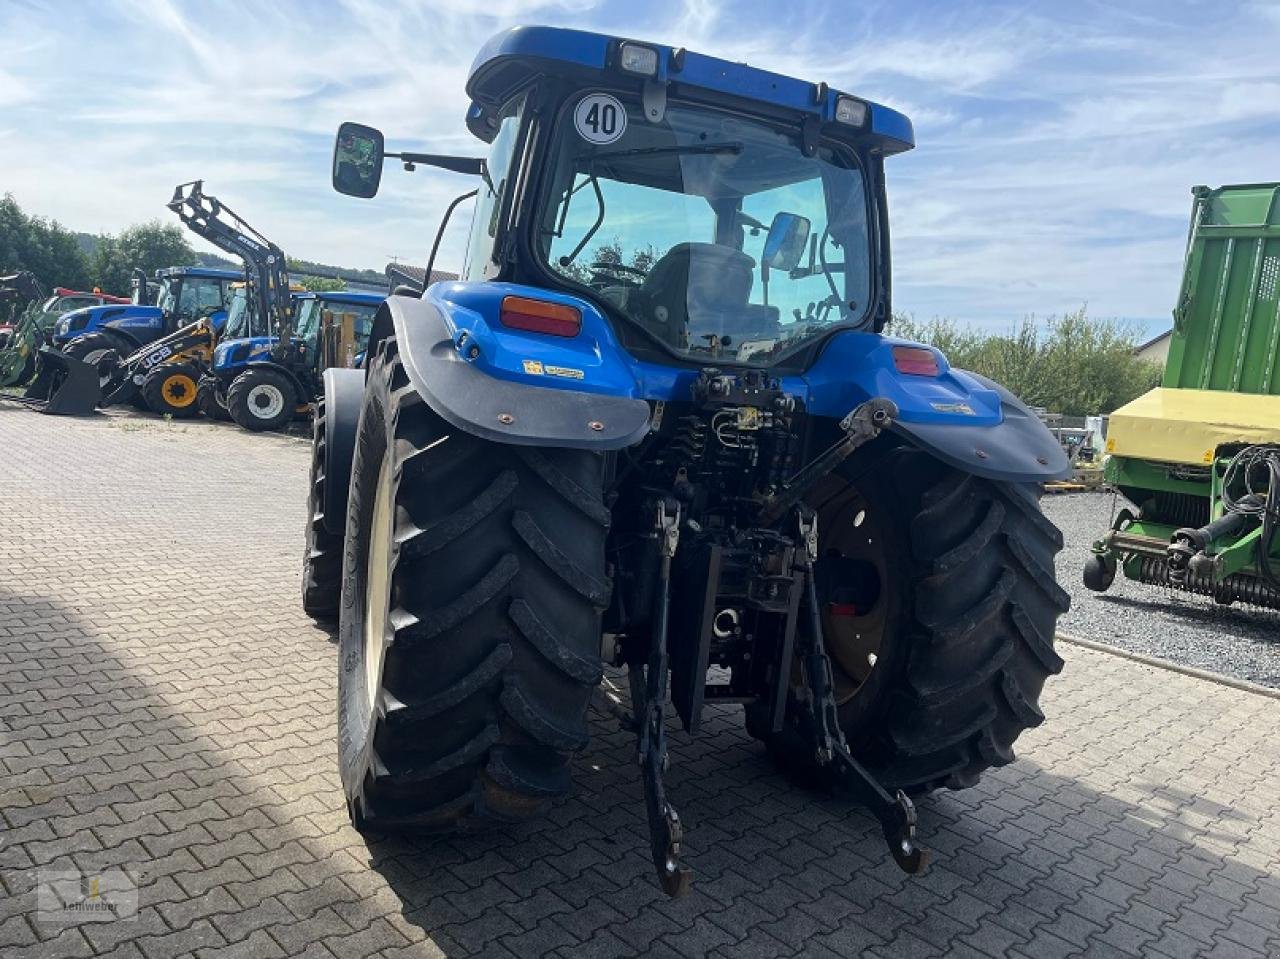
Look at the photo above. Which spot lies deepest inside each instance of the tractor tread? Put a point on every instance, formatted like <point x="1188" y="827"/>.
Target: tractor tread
<point x="416" y="542"/>
<point x="538" y="723"/>
<point x="574" y="494"/>
<point x="410" y="627"/>
<point x="558" y="561"/>
<point x="469" y="752"/>
<point x="490" y="669"/>
<point x="498" y="577"/>
<point x="322" y="556"/>
<point x="582" y="669"/>
<point x="977" y="613"/>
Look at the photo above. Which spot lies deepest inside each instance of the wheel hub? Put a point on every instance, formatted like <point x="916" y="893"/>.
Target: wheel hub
<point x="179" y="390"/>
<point x="266" y="402"/>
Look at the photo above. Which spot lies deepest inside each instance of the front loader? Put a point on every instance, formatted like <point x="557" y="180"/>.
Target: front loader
<point x="1198" y="458"/>
<point x="55" y="383"/>
<point x="701" y="461"/>
<point x="267" y="370"/>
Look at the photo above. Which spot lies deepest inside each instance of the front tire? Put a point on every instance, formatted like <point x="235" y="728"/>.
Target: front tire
<point x="473" y="581"/>
<point x="207" y="399"/>
<point x="322" y="557"/>
<point x="261" y="399"/>
<point x="940" y="606"/>
<point x="102" y="351"/>
<point x="170" y="389"/>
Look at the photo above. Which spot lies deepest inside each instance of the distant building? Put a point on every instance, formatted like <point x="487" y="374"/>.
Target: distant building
<point x="402" y="274"/>
<point x="1155" y="350"/>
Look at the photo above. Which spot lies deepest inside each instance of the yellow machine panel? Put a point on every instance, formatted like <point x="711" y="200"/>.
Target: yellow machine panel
<point x="1187" y="426"/>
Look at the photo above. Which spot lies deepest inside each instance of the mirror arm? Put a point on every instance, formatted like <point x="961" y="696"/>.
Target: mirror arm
<point x="435" y="247"/>
<point x="473" y="166"/>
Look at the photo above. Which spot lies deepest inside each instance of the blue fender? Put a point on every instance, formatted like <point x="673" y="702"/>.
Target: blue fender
<point x="465" y="395"/>
<point x="343" y="397"/>
<point x="476" y="373"/>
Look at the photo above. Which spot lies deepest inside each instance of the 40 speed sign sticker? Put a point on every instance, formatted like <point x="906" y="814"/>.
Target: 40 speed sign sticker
<point x="600" y="118"/>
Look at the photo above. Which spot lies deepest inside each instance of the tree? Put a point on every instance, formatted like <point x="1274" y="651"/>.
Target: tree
<point x="42" y="246"/>
<point x="320" y="284"/>
<point x="146" y="246"/>
<point x="1073" y="364"/>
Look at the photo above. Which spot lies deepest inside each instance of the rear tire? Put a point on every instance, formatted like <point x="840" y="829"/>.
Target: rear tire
<point x="261" y="399"/>
<point x="207" y="399"/>
<point x="322" y="558"/>
<point x="965" y="606"/>
<point x="170" y="390"/>
<point x="482" y="568"/>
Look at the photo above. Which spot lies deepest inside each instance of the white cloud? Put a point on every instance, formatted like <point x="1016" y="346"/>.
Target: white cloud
<point x="1057" y="143"/>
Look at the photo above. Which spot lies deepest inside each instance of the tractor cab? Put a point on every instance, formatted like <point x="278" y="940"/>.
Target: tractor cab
<point x="334" y="327"/>
<point x="712" y="212"/>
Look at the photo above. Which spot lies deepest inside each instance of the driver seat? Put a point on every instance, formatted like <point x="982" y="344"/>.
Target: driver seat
<point x="699" y="289"/>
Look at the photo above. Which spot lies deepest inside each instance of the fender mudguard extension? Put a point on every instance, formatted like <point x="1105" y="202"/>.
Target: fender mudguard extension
<point x="500" y="410"/>
<point x="343" y="396"/>
<point x="1018" y="450"/>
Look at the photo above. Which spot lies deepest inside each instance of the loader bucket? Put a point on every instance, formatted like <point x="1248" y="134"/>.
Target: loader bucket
<point x="63" y="385"/>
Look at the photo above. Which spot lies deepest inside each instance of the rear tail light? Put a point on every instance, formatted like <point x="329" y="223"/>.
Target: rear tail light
<point x="539" y="316"/>
<point x="915" y="361"/>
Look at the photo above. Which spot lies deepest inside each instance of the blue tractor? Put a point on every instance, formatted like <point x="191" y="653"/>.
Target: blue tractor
<point x="657" y="425"/>
<point x="103" y="336"/>
<point x="260" y="386"/>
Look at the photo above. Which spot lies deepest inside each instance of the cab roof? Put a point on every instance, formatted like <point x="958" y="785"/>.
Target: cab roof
<point x="512" y="58"/>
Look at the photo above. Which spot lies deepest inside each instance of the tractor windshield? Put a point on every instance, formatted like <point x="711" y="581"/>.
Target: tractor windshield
<point x="714" y="233"/>
<point x="238" y="323"/>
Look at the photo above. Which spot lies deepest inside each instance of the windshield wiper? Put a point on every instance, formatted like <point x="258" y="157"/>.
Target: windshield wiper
<point x="690" y="148"/>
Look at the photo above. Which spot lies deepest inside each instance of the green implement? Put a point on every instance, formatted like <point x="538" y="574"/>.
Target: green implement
<point x="1199" y="456"/>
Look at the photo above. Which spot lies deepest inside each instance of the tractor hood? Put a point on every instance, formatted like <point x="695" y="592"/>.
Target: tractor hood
<point x="126" y="316"/>
<point x="235" y="353"/>
<point x="513" y="58"/>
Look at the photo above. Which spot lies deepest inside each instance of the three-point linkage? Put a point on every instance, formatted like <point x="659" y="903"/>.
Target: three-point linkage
<point x="649" y="694"/>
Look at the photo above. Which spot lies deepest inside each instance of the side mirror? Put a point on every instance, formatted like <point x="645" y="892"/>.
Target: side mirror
<point x="357" y="160"/>
<point x="783" y="247"/>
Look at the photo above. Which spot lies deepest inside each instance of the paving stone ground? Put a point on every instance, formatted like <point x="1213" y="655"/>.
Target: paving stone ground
<point x="166" y="708"/>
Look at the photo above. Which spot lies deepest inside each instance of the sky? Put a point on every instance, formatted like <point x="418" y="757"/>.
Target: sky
<point x="1057" y="143"/>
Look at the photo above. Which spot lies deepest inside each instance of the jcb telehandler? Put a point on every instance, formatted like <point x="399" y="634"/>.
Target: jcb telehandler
<point x="703" y="455"/>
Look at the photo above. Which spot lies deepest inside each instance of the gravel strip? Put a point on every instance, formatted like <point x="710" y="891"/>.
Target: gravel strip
<point x="1192" y="630"/>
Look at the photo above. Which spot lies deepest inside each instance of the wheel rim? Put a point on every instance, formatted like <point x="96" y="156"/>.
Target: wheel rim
<point x="180" y="390"/>
<point x="377" y="605"/>
<point x="266" y="402"/>
<point x="855" y="609"/>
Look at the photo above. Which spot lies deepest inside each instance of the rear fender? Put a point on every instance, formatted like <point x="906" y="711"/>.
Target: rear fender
<point x="445" y="373"/>
<point x="965" y="420"/>
<point x="343" y="396"/>
<point x="1018" y="449"/>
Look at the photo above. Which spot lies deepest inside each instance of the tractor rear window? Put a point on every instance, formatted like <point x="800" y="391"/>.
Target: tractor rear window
<point x="714" y="233"/>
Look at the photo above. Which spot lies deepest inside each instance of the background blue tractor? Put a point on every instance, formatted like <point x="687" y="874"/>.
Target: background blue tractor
<point x="260" y="386"/>
<point x="103" y="336"/>
<point x="656" y="424"/>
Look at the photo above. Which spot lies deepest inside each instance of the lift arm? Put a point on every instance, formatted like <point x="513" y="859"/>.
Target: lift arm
<point x="265" y="267"/>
